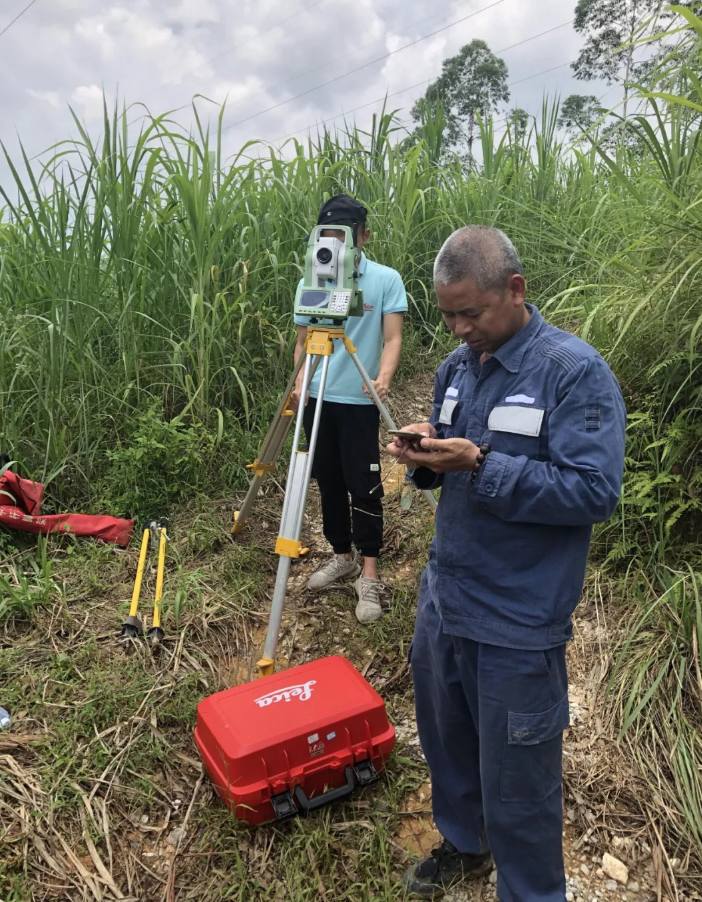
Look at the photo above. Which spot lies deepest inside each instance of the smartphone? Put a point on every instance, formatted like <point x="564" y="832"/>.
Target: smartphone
<point x="413" y="437"/>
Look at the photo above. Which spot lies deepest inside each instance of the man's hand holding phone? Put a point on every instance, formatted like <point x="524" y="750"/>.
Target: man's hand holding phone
<point x="440" y="455"/>
<point x="409" y="438"/>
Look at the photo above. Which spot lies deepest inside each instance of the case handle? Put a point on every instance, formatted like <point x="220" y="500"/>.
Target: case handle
<point x="332" y="795"/>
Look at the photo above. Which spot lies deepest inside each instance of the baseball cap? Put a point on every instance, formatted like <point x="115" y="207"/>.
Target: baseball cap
<point x="340" y="210"/>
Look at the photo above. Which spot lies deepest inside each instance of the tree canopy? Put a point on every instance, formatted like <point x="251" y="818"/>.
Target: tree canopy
<point x="472" y="83"/>
<point x="578" y="112"/>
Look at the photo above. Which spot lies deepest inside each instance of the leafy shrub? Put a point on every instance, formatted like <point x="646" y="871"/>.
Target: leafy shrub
<point x="162" y="463"/>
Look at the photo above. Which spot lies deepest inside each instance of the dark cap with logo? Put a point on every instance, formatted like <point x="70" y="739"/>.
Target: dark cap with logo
<point x="342" y="210"/>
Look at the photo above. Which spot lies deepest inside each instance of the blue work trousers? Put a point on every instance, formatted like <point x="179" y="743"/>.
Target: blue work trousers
<point x="491" y="723"/>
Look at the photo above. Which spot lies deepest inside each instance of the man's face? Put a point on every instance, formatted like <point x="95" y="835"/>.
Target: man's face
<point x="362" y="237"/>
<point x="484" y="320"/>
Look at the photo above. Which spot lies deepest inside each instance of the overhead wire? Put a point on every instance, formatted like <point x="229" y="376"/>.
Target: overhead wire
<point x="328" y="62"/>
<point x="428" y="81"/>
<point x="364" y="66"/>
<point x="385" y="56"/>
<point x="359" y="68"/>
<point x="18" y="16"/>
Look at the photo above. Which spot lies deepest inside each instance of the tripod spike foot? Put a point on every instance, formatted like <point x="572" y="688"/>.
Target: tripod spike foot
<point x="132" y="628"/>
<point x="265" y="666"/>
<point x="155" y="634"/>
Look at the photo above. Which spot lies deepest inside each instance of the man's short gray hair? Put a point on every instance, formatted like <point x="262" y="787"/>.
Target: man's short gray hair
<point x="479" y="252"/>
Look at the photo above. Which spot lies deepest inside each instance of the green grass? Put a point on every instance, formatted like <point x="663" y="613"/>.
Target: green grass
<point x="116" y="759"/>
<point x="147" y="299"/>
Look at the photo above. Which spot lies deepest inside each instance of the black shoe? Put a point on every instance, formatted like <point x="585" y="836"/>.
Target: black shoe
<point x="444" y="868"/>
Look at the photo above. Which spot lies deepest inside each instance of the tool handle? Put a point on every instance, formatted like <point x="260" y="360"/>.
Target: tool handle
<point x="134" y="607"/>
<point x="333" y="795"/>
<point x="159" y="574"/>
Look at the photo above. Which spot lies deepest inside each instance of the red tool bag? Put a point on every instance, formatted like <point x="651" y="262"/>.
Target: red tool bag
<point x="20" y="504"/>
<point x="292" y="742"/>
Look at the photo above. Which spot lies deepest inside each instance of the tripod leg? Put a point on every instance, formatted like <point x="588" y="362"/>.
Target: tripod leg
<point x="288" y="544"/>
<point x="132" y="627"/>
<point x="270" y="449"/>
<point x="384" y="413"/>
<point x="266" y="665"/>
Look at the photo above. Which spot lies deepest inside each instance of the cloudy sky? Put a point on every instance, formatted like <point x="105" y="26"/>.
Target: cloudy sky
<point x="258" y="55"/>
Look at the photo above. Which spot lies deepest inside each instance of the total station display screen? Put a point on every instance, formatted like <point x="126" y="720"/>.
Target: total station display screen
<point x="318" y="299"/>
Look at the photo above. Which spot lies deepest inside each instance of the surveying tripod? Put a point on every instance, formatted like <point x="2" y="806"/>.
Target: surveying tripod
<point x="318" y="348"/>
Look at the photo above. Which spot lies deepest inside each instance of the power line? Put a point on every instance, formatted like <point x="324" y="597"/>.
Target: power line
<point x="294" y="77"/>
<point x="364" y="66"/>
<point x="428" y="81"/>
<point x="536" y="75"/>
<point x="395" y="93"/>
<point x="18" y="16"/>
<point x="316" y="68"/>
<point x="535" y="36"/>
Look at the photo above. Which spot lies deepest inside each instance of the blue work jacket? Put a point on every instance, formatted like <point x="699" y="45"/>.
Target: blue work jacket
<point x="507" y="563"/>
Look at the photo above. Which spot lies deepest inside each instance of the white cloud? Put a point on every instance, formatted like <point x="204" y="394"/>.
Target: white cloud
<point x="123" y="33"/>
<point x="162" y="54"/>
<point x="89" y="98"/>
<point x="50" y="97"/>
<point x="96" y="32"/>
<point x="194" y="12"/>
<point x="234" y="92"/>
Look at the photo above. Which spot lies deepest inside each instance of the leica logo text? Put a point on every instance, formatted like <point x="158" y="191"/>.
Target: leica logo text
<point x="301" y="692"/>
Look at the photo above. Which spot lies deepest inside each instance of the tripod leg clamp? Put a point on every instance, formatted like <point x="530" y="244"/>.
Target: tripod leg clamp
<point x="288" y="547"/>
<point x="260" y="469"/>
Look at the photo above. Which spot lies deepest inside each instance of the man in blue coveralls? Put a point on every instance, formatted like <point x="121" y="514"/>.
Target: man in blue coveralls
<point x="506" y="567"/>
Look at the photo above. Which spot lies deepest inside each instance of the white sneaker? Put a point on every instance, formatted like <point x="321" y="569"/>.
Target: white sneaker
<point x="368" y="607"/>
<point x="336" y="568"/>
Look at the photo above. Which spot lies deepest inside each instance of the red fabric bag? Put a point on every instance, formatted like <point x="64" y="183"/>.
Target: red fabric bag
<point x="20" y="506"/>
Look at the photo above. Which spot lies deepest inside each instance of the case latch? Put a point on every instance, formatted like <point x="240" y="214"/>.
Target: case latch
<point x="366" y="774"/>
<point x="284" y="806"/>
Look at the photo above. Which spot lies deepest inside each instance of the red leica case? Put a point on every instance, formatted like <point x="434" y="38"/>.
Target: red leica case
<point x="294" y="741"/>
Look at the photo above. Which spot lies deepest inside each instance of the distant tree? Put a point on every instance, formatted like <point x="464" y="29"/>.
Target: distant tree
<point x="578" y="113"/>
<point x="519" y="122"/>
<point x="472" y="82"/>
<point x="611" y="27"/>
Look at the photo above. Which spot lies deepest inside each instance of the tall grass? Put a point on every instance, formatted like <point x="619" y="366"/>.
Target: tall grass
<point x="146" y="289"/>
<point x="148" y="269"/>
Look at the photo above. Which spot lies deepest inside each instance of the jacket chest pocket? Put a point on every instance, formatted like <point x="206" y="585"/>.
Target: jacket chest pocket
<point x="454" y="408"/>
<point x="453" y="417"/>
<point x="517" y="430"/>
